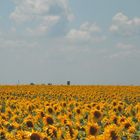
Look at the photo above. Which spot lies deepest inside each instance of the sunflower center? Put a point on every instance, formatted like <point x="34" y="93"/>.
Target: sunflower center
<point x="50" y="110"/>
<point x="42" y="114"/>
<point x="115" y="120"/>
<point x="93" y="130"/>
<point x="119" y="108"/>
<point x="49" y="120"/>
<point x="35" y="136"/>
<point x="127" y="125"/>
<point x="78" y="111"/>
<point x="29" y="124"/>
<point x="97" y="114"/>
<point x="114" y="103"/>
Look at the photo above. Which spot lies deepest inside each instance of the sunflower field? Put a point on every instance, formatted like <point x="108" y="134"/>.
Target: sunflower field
<point x="42" y="112"/>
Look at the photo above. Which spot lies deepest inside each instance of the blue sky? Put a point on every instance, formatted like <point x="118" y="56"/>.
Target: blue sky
<point x="84" y="41"/>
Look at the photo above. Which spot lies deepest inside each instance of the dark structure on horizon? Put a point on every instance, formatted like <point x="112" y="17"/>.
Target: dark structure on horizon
<point x="68" y="83"/>
<point x="49" y="84"/>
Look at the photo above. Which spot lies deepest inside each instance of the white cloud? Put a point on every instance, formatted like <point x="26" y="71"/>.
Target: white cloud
<point x="135" y="53"/>
<point x="125" y="50"/>
<point x="125" y="46"/>
<point x="123" y="25"/>
<point x="32" y="9"/>
<point x="120" y="54"/>
<point x="90" y="27"/>
<point x="42" y="13"/>
<point x="87" y="32"/>
<point x="120" y="18"/>
<point x="44" y="26"/>
<point x="17" y="43"/>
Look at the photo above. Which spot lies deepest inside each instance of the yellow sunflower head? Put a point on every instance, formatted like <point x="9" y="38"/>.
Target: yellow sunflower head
<point x="92" y="129"/>
<point x="48" y="120"/>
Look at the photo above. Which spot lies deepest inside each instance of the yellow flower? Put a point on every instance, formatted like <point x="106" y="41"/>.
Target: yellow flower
<point x="111" y="132"/>
<point x="52" y="132"/>
<point x="92" y="129"/>
<point x="48" y="120"/>
<point x="96" y="115"/>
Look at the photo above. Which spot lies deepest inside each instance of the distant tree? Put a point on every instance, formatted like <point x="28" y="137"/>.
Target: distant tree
<point x="32" y="84"/>
<point x="49" y="84"/>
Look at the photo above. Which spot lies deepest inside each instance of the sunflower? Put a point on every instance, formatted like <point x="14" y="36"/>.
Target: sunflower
<point x="70" y="116"/>
<point x="50" y="110"/>
<point x="111" y="132"/>
<point x="29" y="124"/>
<point x="92" y="129"/>
<point x="16" y="125"/>
<point x="105" y="121"/>
<point x="22" y="135"/>
<point x="127" y="125"/>
<point x="138" y="116"/>
<point x="114" y="119"/>
<point x="132" y="129"/>
<point x="9" y="112"/>
<point x="45" y="138"/>
<point x="113" y="135"/>
<point x="42" y="114"/>
<point x="2" y="135"/>
<point x="120" y="108"/>
<point x="52" y="132"/>
<point x="98" y="107"/>
<point x="114" y="103"/>
<point x="122" y="119"/>
<point x="78" y="111"/>
<point x="68" y="128"/>
<point x="48" y="120"/>
<point x="63" y="119"/>
<point x="91" y="138"/>
<point x="55" y="108"/>
<point x="63" y="104"/>
<point x="59" y="133"/>
<point x="96" y="115"/>
<point x="29" y="118"/>
<point x="35" y="136"/>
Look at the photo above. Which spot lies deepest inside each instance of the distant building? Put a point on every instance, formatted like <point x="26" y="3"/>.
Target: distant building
<point x="68" y="83"/>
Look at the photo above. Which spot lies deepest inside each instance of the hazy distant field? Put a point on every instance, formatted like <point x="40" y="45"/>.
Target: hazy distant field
<point x="40" y="112"/>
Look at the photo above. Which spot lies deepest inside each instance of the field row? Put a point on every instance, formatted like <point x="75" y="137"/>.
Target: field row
<point x="40" y="112"/>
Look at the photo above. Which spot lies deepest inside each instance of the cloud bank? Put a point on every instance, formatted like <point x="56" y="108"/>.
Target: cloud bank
<point x="125" y="26"/>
